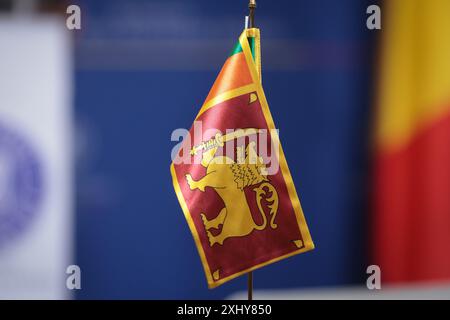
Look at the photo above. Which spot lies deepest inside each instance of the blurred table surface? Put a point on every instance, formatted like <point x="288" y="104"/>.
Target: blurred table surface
<point x="408" y="292"/>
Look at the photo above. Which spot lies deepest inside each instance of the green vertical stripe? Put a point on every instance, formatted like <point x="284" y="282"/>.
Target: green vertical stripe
<point x="238" y="49"/>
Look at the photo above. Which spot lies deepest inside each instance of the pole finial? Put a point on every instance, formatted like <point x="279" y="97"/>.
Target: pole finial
<point x="252" y="7"/>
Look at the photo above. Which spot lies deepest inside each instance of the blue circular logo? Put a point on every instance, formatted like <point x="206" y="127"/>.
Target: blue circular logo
<point x="20" y="184"/>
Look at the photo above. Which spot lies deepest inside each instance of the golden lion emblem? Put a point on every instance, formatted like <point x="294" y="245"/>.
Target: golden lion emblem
<point x="229" y="178"/>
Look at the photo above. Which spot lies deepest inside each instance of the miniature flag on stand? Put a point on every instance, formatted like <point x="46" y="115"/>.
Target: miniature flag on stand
<point x="232" y="179"/>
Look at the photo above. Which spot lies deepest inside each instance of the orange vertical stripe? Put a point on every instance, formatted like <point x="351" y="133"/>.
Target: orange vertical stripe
<point x="234" y="74"/>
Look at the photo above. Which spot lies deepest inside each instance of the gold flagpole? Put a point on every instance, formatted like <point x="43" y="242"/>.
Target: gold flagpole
<point x="251" y="24"/>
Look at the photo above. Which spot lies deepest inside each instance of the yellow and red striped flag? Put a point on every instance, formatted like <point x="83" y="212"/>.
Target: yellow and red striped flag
<point x="411" y="235"/>
<point x="231" y="176"/>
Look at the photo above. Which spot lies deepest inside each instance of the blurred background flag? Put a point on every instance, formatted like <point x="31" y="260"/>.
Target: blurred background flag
<point x="35" y="158"/>
<point x="411" y="231"/>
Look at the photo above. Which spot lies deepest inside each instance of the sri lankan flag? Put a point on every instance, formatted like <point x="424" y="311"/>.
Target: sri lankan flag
<point x="411" y="235"/>
<point x="231" y="176"/>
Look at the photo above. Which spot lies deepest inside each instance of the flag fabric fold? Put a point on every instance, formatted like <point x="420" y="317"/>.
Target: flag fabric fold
<point x="231" y="176"/>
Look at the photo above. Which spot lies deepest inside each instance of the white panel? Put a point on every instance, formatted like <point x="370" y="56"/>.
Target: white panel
<point x="35" y="158"/>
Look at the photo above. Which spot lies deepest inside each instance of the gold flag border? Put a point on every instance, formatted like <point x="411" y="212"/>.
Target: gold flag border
<point x="253" y="66"/>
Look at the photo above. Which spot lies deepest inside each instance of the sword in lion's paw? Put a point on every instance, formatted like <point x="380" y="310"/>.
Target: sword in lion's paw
<point x="219" y="140"/>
